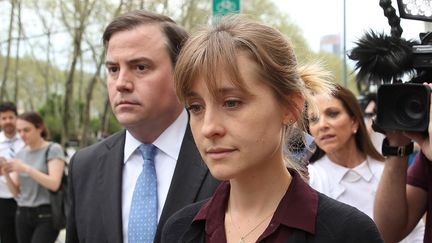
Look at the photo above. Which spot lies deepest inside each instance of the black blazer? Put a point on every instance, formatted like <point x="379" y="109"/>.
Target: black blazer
<point x="336" y="222"/>
<point x="95" y="189"/>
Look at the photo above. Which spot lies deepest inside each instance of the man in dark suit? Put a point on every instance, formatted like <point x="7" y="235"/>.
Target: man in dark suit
<point x="141" y="51"/>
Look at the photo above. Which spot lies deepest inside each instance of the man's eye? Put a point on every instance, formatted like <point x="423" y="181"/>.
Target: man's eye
<point x="194" y="108"/>
<point x="112" y="69"/>
<point x="232" y="103"/>
<point x="141" y="67"/>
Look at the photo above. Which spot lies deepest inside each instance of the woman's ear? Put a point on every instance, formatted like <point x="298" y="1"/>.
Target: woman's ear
<point x="293" y="109"/>
<point x="287" y="120"/>
<point x="355" y="126"/>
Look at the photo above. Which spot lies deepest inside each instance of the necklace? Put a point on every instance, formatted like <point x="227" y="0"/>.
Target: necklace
<point x="242" y="238"/>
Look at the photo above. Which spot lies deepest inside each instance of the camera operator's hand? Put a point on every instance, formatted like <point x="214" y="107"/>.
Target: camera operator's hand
<point x="408" y="203"/>
<point x="397" y="138"/>
<point x="425" y="142"/>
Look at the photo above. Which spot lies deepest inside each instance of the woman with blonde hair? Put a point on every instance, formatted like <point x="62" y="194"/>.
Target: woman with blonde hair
<point x="346" y="166"/>
<point x="245" y="93"/>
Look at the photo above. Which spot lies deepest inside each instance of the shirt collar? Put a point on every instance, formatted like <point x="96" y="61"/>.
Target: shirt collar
<point x="364" y="170"/>
<point x="131" y="144"/>
<point x="297" y="209"/>
<point x="3" y="137"/>
<point x="169" y="141"/>
<point x="213" y="211"/>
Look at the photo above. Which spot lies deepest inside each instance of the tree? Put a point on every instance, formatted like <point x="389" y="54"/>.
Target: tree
<point x="334" y="64"/>
<point x="9" y="46"/>
<point x="81" y="11"/>
<point x="59" y="55"/>
<point x="48" y="29"/>
<point x="98" y="60"/>
<point x="18" y="42"/>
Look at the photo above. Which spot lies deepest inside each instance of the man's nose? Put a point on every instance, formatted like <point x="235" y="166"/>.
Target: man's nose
<point x="125" y="80"/>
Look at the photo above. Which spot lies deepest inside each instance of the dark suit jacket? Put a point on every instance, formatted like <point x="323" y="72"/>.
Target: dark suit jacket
<point x="95" y="189"/>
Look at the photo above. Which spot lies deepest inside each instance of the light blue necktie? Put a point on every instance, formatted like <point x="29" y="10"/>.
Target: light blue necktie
<point x="11" y="148"/>
<point x="143" y="213"/>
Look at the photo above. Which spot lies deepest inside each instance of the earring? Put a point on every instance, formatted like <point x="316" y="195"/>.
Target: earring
<point x="355" y="131"/>
<point x="289" y="123"/>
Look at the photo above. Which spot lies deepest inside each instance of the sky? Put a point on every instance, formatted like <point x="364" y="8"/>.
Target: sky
<point x="322" y="17"/>
<point x="316" y="18"/>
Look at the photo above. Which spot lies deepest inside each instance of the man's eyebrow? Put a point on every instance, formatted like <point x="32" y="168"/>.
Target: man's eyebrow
<point x="131" y="61"/>
<point x="138" y="60"/>
<point x="110" y="63"/>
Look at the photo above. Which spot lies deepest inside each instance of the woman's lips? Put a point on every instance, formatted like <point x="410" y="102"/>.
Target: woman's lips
<point x="327" y="137"/>
<point x="219" y="153"/>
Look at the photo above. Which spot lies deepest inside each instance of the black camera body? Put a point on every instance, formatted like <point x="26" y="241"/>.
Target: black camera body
<point x="422" y="54"/>
<point x="403" y="107"/>
<point x="383" y="60"/>
<point x="406" y="106"/>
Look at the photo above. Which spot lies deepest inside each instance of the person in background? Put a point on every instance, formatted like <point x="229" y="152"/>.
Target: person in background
<point x="377" y="137"/>
<point x="152" y="168"/>
<point x="404" y="194"/>
<point x="241" y="118"/>
<point x="36" y="170"/>
<point x="10" y="144"/>
<point x="346" y="165"/>
<point x="370" y="112"/>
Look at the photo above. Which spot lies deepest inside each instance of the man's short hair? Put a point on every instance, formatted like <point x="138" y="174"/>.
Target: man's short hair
<point x="8" y="106"/>
<point x="174" y="34"/>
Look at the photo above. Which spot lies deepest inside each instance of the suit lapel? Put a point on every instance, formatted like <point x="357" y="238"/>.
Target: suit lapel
<point x="187" y="180"/>
<point x="109" y="180"/>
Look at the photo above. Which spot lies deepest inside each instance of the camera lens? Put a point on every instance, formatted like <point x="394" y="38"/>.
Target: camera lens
<point x="414" y="109"/>
<point x="403" y="107"/>
<point x="410" y="110"/>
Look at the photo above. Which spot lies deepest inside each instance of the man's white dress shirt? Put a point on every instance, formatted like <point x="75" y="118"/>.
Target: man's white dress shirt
<point x="168" y="146"/>
<point x="5" y="143"/>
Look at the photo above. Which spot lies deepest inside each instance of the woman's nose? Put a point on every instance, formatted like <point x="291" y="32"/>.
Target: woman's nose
<point x="212" y="123"/>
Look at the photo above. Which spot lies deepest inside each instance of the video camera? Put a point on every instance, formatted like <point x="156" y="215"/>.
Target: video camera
<point x="385" y="60"/>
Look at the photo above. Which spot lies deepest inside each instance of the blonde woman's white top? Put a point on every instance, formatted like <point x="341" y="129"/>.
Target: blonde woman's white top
<point x="354" y="186"/>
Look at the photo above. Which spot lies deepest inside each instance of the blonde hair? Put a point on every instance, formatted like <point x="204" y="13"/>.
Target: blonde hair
<point x="212" y="52"/>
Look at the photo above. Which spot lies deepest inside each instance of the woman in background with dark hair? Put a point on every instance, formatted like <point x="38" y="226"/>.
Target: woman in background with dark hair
<point x="37" y="168"/>
<point x="346" y="165"/>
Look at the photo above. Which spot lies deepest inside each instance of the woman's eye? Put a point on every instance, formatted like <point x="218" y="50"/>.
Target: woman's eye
<point x="232" y="103"/>
<point x="333" y="114"/>
<point x="194" y="108"/>
<point x="313" y="119"/>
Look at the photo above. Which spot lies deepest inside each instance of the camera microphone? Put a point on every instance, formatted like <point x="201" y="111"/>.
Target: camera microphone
<point x="381" y="58"/>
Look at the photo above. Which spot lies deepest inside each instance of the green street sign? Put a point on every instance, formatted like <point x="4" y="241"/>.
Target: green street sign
<point x="222" y="7"/>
